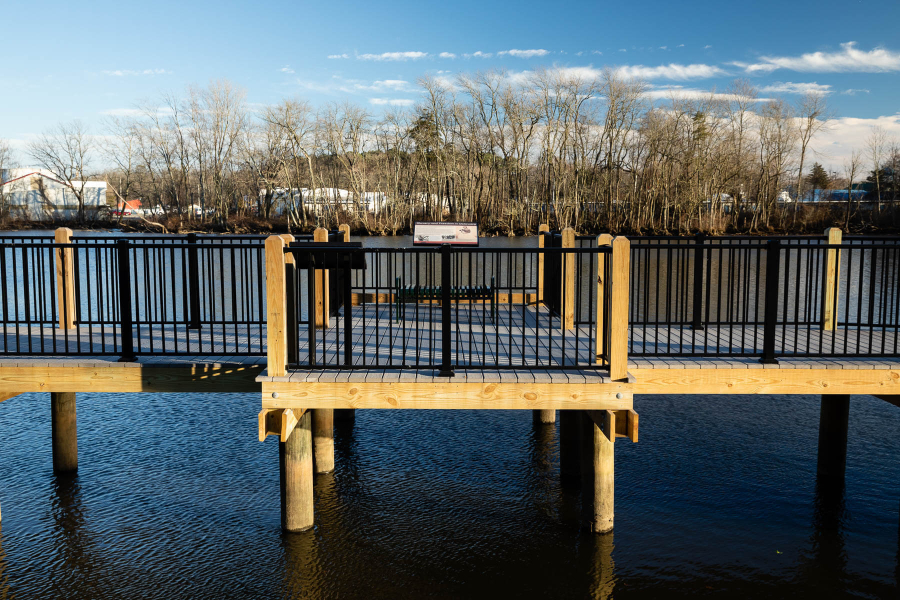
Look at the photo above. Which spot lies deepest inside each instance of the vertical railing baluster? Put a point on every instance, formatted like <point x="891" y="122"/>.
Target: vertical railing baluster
<point x="773" y="266"/>
<point x="446" y="313"/>
<point x="126" y="331"/>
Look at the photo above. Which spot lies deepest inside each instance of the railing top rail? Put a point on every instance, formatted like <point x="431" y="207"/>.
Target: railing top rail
<point x="454" y="249"/>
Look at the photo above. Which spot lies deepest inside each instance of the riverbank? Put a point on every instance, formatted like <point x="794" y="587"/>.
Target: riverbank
<point x="248" y="225"/>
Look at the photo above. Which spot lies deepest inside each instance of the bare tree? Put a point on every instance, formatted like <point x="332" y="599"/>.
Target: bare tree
<point x="6" y="162"/>
<point x="875" y="144"/>
<point x="812" y="116"/>
<point x="66" y="151"/>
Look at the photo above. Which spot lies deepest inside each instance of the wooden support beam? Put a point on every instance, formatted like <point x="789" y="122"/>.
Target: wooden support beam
<point x="276" y="306"/>
<point x="831" y="280"/>
<point x="346" y="229"/>
<point x="64" y="432"/>
<point x="625" y="422"/>
<point x="65" y="279"/>
<point x="598" y="498"/>
<point x="543" y="417"/>
<point x="322" y="299"/>
<point x="766" y="381"/>
<point x="569" y="436"/>
<point x="8" y="395"/>
<point x="296" y="466"/>
<point x="834" y="418"/>
<point x="540" y="274"/>
<point x="603" y="241"/>
<point x="323" y="439"/>
<point x="567" y="285"/>
<point x="278" y="421"/>
<point x="618" y="308"/>
<point x="426" y="395"/>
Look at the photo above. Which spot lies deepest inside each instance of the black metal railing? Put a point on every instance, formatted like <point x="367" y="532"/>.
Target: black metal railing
<point x="445" y="321"/>
<point x="739" y="296"/>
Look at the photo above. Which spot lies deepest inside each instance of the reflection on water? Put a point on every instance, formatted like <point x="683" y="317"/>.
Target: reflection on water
<point x="446" y="504"/>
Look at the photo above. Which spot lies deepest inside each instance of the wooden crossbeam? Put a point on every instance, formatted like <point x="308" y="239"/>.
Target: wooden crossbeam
<point x="7" y="395"/>
<point x="616" y="423"/>
<point x="278" y="421"/>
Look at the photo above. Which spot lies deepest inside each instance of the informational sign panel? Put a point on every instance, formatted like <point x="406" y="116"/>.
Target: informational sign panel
<point x="462" y="234"/>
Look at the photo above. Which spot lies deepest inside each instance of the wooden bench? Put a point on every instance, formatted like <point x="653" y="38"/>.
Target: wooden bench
<point x="415" y="293"/>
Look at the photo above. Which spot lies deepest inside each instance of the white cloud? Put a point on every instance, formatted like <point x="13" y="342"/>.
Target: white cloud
<point x="622" y="50"/>
<point x="338" y="56"/>
<point x="680" y="46"/>
<point x="401" y="56"/>
<point x="789" y="87"/>
<point x="853" y="92"/>
<point x="447" y="55"/>
<point x="849" y="58"/>
<point x="396" y="85"/>
<point x="524" y="53"/>
<point x="129" y="73"/>
<point x="671" y="71"/>
<point x="286" y="69"/>
<point x="122" y="112"/>
<point x="478" y="54"/>
<point x="840" y="137"/>
<point x="663" y="47"/>
<point x="392" y="101"/>
<point x="707" y="47"/>
<point x="579" y="53"/>
<point x="596" y="52"/>
<point x="677" y="92"/>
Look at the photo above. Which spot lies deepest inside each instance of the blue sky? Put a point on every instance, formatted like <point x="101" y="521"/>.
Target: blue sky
<point x="84" y="60"/>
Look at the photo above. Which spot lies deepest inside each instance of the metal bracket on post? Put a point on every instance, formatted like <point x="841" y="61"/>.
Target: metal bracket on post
<point x="446" y="313"/>
<point x="125" y="316"/>
<point x="770" y="326"/>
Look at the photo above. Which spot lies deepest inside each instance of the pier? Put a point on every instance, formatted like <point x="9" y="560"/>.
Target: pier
<point x="321" y="326"/>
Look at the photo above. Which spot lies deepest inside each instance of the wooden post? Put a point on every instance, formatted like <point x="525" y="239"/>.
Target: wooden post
<point x="832" y="278"/>
<point x="567" y="318"/>
<point x="602" y="241"/>
<point x="346" y="229"/>
<point x="64" y="432"/>
<point x="833" y="419"/>
<point x="543" y="417"/>
<point x="569" y="436"/>
<point x="276" y="307"/>
<point x="296" y="462"/>
<point x="323" y="439"/>
<point x="322" y="316"/>
<point x="65" y="279"/>
<point x="598" y="495"/>
<point x="540" y="274"/>
<point x="618" y="309"/>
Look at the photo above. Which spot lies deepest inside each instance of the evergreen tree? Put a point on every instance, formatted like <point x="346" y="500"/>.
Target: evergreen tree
<point x="817" y="178"/>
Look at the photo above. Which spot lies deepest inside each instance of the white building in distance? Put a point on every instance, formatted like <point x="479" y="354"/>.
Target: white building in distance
<point x="37" y="195"/>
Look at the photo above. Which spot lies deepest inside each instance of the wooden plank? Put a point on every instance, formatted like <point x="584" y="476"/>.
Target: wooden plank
<point x="136" y="378"/>
<point x="447" y="395"/>
<point x="602" y="241"/>
<point x="831" y="279"/>
<point x="766" y="381"/>
<point x="321" y="276"/>
<point x="276" y="306"/>
<point x="618" y="308"/>
<point x="568" y="280"/>
<point x="7" y="395"/>
<point x="278" y="421"/>
<point x="65" y="279"/>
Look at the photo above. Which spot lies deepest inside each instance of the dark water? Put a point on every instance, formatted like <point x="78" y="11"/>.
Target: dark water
<point x="175" y="498"/>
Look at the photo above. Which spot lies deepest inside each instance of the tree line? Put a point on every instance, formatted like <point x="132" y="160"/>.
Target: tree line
<point x="596" y="152"/>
